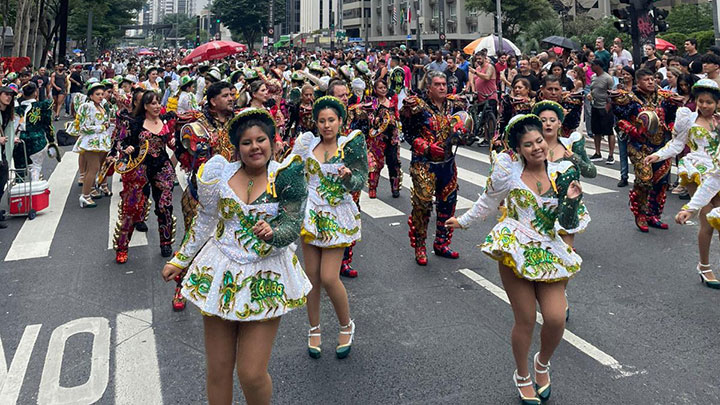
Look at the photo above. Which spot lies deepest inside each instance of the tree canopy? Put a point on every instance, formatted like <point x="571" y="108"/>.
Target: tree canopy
<point x="515" y="13"/>
<point x="689" y="18"/>
<point x="248" y="18"/>
<point x="108" y="15"/>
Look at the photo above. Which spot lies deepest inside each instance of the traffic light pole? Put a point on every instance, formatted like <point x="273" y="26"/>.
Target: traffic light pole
<point x="197" y="31"/>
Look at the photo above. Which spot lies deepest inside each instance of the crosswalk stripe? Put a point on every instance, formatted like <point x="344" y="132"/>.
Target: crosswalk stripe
<point x="462" y="202"/>
<point x="376" y="208"/>
<point x="35" y="237"/>
<point x="138" y="238"/>
<point x="463" y="174"/>
<point x="136" y="360"/>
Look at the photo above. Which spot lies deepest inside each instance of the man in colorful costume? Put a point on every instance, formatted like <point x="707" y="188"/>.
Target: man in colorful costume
<point x="647" y="117"/>
<point x="429" y="130"/>
<point x="200" y="140"/>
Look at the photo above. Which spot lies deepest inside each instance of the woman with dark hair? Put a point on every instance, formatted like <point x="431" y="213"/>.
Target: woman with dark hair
<point x="336" y="166"/>
<point x="92" y="128"/>
<point x="144" y="162"/>
<point x="535" y="264"/>
<point x="123" y="118"/>
<point x="383" y="140"/>
<point x="685" y="82"/>
<point x="557" y="70"/>
<point x="519" y="101"/>
<point x="698" y="131"/>
<point x="259" y="96"/>
<point x="242" y="272"/>
<point x="152" y="80"/>
<point x="7" y="136"/>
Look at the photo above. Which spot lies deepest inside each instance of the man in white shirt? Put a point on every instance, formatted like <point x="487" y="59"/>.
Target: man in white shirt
<point x="621" y="56"/>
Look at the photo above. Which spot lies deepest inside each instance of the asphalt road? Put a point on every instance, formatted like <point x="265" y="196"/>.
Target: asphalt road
<point x="77" y="328"/>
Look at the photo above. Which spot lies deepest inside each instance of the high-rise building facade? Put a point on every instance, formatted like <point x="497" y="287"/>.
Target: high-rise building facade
<point x="291" y="25"/>
<point x="389" y="21"/>
<point x="386" y="21"/>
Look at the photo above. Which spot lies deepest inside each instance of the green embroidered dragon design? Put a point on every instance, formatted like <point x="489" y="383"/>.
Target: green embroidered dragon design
<point x="327" y="227"/>
<point x="229" y="209"/>
<point x="331" y="188"/>
<point x="199" y="282"/>
<point x="267" y="293"/>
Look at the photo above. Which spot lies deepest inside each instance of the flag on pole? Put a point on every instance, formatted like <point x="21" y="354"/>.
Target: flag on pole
<point x="409" y="19"/>
<point x="394" y="15"/>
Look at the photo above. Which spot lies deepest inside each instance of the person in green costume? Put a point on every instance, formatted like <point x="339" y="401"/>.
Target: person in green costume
<point x="34" y="124"/>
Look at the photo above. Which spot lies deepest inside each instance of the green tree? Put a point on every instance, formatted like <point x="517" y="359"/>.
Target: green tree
<point x="248" y="18"/>
<point x="545" y="28"/>
<point x="515" y="13"/>
<point x="689" y="18"/>
<point x="584" y="30"/>
<point x="108" y="15"/>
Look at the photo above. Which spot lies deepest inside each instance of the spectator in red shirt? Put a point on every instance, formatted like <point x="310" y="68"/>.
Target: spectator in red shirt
<point x="500" y="66"/>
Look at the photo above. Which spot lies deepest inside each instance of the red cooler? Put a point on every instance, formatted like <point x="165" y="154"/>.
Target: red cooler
<point x="21" y="193"/>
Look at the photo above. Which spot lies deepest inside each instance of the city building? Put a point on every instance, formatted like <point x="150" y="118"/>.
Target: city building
<point x="291" y="25"/>
<point x="389" y="23"/>
<point x="315" y="21"/>
<point x="385" y="22"/>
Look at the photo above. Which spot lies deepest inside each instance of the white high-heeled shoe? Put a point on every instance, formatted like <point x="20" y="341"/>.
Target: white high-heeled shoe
<point x="343" y="350"/>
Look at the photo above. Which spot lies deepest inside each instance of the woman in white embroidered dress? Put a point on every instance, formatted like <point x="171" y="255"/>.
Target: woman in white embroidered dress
<point x="534" y="261"/>
<point x="242" y="270"/>
<point x="336" y="165"/>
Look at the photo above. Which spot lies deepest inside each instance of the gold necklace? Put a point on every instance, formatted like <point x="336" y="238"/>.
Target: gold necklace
<point x="251" y="183"/>
<point x="538" y="182"/>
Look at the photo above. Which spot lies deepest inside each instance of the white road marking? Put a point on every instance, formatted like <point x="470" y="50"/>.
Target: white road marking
<point x="136" y="363"/>
<point x="462" y="202"/>
<point x="463" y="174"/>
<point x="11" y="379"/>
<point x="51" y="392"/>
<point x="35" y="237"/>
<point x="138" y="238"/>
<point x="376" y="208"/>
<point x="579" y="343"/>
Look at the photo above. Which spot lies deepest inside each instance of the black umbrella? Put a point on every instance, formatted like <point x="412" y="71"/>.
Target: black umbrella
<point x="562" y="42"/>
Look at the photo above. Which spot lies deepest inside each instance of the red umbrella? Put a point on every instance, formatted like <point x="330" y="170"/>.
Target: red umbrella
<point x="214" y="50"/>
<point x="663" y="45"/>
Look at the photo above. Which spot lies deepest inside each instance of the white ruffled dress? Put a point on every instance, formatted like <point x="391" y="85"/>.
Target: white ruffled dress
<point x="693" y="167"/>
<point x="525" y="237"/>
<point x="332" y="218"/>
<point x="233" y="274"/>
<point x="93" y="129"/>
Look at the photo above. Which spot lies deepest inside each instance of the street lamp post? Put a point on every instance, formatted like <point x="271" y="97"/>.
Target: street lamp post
<point x="418" y="5"/>
<point x="498" y="14"/>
